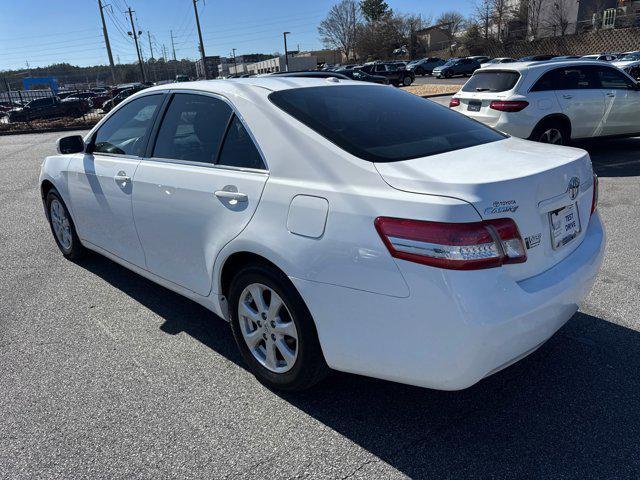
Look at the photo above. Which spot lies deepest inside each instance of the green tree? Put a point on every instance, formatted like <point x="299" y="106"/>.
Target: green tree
<point x="374" y="10"/>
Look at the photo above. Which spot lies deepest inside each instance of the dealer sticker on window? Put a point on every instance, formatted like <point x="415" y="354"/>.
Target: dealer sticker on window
<point x="565" y="225"/>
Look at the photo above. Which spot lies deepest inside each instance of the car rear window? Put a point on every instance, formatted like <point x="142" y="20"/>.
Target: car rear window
<point x="382" y="124"/>
<point x="491" y="82"/>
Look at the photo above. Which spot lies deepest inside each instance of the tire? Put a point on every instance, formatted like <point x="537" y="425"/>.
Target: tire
<point x="551" y="131"/>
<point x="448" y="74"/>
<point x="407" y="81"/>
<point x="62" y="226"/>
<point x="420" y="71"/>
<point x="297" y="362"/>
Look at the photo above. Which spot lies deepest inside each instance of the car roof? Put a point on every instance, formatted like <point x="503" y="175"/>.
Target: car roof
<point x="237" y="86"/>
<point x="540" y="65"/>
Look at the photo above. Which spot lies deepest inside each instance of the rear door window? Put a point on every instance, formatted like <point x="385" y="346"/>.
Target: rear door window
<point x="491" y="82"/>
<point x="192" y="128"/>
<point x="381" y="124"/>
<point x="238" y="149"/>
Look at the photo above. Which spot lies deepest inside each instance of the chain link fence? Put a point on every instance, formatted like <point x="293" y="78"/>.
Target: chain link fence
<point x="45" y="110"/>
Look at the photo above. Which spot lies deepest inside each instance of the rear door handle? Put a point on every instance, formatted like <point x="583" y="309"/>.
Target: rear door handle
<point x="122" y="177"/>
<point x="611" y="94"/>
<point x="567" y="96"/>
<point x="227" y="195"/>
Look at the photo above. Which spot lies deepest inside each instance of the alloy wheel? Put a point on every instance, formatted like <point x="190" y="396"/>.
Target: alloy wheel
<point x="61" y="224"/>
<point x="552" y="135"/>
<point x="268" y="328"/>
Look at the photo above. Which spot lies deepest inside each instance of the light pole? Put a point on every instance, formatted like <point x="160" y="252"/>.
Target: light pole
<point x="235" y="65"/>
<point x="286" y="53"/>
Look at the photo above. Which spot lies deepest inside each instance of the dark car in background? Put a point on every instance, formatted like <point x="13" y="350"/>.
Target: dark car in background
<point x="425" y="66"/>
<point x="456" y="66"/>
<point x="480" y="59"/>
<point x="120" y="93"/>
<point x="396" y="75"/>
<point x="49" y="107"/>
<point x="357" y="74"/>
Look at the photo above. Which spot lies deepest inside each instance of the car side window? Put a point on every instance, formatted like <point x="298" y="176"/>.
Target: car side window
<point x="578" y="78"/>
<point x="125" y="132"/>
<point x="610" y="78"/>
<point x="548" y="81"/>
<point x="192" y="128"/>
<point x="238" y="149"/>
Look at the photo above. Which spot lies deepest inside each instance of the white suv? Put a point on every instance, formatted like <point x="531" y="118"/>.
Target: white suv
<point x="553" y="102"/>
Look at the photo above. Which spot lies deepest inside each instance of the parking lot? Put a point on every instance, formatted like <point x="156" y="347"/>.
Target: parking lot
<point x="105" y="374"/>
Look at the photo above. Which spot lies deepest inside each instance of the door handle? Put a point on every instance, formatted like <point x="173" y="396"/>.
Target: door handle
<point x="122" y="177"/>
<point x="567" y="96"/>
<point x="611" y="94"/>
<point x="227" y="195"/>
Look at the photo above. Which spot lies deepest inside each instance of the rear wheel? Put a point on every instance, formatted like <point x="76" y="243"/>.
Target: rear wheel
<point x="553" y="132"/>
<point x="274" y="329"/>
<point x="407" y="80"/>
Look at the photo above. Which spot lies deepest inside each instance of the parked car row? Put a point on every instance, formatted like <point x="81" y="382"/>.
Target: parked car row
<point x="553" y="102"/>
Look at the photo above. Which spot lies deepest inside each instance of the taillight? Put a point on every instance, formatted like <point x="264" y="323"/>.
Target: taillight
<point x="508" y="105"/>
<point x="454" y="102"/>
<point x="456" y="246"/>
<point x="594" y="198"/>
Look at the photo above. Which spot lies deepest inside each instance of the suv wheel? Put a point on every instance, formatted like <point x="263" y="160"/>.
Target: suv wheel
<point x="553" y="132"/>
<point x="407" y="80"/>
<point x="274" y="330"/>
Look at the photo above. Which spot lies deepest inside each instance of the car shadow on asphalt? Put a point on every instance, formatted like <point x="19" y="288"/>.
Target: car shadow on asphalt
<point x="618" y="157"/>
<point x="569" y="410"/>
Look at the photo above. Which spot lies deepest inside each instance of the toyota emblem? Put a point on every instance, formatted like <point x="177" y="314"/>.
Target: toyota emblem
<point x="574" y="187"/>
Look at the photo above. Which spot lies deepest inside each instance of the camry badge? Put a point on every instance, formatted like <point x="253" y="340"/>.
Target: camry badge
<point x="574" y="187"/>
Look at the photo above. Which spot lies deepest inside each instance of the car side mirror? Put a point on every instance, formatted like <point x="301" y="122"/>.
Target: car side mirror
<point x="70" y="144"/>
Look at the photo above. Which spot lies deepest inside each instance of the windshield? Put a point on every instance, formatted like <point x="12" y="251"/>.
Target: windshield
<point x="450" y="62"/>
<point x="491" y="82"/>
<point x="630" y="57"/>
<point x="371" y="122"/>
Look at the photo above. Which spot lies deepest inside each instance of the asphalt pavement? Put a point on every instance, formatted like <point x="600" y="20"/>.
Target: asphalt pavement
<point x="104" y="374"/>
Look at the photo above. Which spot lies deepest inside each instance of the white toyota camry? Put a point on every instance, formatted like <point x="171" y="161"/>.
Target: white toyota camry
<point x="336" y="224"/>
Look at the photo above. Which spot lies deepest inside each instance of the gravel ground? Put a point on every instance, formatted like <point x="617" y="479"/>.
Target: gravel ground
<point x="107" y="375"/>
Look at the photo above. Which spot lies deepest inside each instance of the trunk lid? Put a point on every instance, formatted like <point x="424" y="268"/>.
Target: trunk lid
<point x="511" y="178"/>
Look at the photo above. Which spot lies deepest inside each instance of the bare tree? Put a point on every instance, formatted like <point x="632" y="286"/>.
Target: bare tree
<point x="534" y="19"/>
<point x="559" y="19"/>
<point x="451" y="23"/>
<point x="502" y="12"/>
<point x="339" y="29"/>
<point x="483" y="16"/>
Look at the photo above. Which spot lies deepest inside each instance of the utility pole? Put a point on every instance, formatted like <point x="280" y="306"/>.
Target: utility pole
<point x="286" y="53"/>
<point x="106" y="41"/>
<point x="204" y="64"/>
<point x="150" y="46"/>
<point x="235" y="65"/>
<point x="173" y="46"/>
<point x="134" y="33"/>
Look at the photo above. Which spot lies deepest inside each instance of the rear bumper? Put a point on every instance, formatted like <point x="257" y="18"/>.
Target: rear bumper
<point x="456" y="327"/>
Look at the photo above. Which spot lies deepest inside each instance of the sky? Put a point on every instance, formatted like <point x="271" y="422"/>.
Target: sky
<point x="42" y="32"/>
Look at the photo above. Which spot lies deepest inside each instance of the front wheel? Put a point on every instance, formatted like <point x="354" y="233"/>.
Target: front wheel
<point x="274" y="330"/>
<point x="62" y="227"/>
